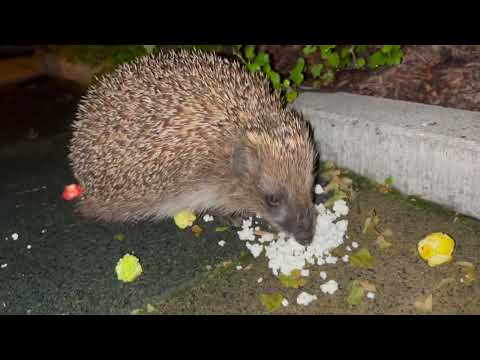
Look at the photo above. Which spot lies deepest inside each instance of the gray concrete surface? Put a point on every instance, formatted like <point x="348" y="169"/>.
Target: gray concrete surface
<point x="430" y="151"/>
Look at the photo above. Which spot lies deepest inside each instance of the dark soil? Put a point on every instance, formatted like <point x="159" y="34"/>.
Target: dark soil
<point x="38" y="108"/>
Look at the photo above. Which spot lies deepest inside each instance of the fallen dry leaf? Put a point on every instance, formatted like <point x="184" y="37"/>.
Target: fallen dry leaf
<point x="356" y="293"/>
<point x="196" y="230"/>
<point x="424" y="305"/>
<point x="368" y="286"/>
<point x="362" y="258"/>
<point x="382" y="243"/>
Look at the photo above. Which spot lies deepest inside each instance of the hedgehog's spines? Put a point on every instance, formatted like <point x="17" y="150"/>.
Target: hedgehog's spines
<point x="157" y="134"/>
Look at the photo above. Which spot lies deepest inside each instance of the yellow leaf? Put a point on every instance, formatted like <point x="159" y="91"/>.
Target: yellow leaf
<point x="128" y="268"/>
<point x="436" y="248"/>
<point x="295" y="280"/>
<point x="184" y="219"/>
<point x="119" y="237"/>
<point x="271" y="302"/>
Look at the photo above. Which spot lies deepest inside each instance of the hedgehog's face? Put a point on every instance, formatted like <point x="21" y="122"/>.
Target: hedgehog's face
<point x="277" y="178"/>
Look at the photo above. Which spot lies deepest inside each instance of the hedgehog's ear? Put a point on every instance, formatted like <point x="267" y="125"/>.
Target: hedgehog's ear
<point x="245" y="161"/>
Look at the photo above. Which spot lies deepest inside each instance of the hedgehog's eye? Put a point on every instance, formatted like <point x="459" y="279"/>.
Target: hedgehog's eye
<point x="273" y="200"/>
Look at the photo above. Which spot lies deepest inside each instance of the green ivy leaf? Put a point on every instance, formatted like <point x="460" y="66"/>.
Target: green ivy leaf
<point x="389" y="181"/>
<point x="328" y="76"/>
<point x="333" y="59"/>
<point x="345" y="53"/>
<point x="300" y="65"/>
<point x="262" y="59"/>
<point x="310" y="49"/>
<point x="275" y="79"/>
<point x="253" y="67"/>
<point x="360" y="49"/>
<point x="291" y="96"/>
<point x="362" y="259"/>
<point x="325" y="49"/>
<point x="360" y="63"/>
<point x="387" y="48"/>
<point x="376" y="59"/>
<point x="250" y="52"/>
<point x="317" y="70"/>
<point x="286" y="83"/>
<point x="297" y="77"/>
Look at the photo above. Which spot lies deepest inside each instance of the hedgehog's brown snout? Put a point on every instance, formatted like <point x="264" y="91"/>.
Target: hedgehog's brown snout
<point x="304" y="226"/>
<point x="301" y="224"/>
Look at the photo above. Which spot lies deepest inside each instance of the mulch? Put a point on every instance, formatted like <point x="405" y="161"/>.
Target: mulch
<point x="444" y="75"/>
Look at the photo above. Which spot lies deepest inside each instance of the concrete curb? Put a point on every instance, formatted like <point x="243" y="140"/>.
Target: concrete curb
<point x="431" y="152"/>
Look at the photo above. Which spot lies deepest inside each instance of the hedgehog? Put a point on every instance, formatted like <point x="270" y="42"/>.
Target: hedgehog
<point x="192" y="130"/>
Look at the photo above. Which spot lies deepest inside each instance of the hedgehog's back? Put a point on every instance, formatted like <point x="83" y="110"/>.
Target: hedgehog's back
<point x="141" y="127"/>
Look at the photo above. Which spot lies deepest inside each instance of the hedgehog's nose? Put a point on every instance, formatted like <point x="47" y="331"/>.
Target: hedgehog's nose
<point x="305" y="227"/>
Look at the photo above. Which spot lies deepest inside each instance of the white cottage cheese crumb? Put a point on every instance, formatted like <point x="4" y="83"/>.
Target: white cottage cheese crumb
<point x="354" y="244"/>
<point x="305" y="273"/>
<point x="285" y="302"/>
<point x="323" y="275"/>
<point x="348" y="248"/>
<point x="14" y="236"/>
<point x="371" y="295"/>
<point x="285" y="254"/>
<point x="260" y="280"/>
<point x="4" y="266"/>
<point x="345" y="258"/>
<point x="319" y="190"/>
<point x="208" y="218"/>
<point x="247" y="233"/>
<point x="255" y="249"/>
<point x="305" y="298"/>
<point x="239" y="268"/>
<point x="340" y="208"/>
<point x="43" y="231"/>
<point x="329" y="287"/>
<point x="29" y="247"/>
<point x="221" y="243"/>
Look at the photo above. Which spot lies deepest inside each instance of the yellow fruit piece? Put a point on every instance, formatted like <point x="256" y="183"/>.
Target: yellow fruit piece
<point x="128" y="268"/>
<point x="436" y="248"/>
<point x="185" y="219"/>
